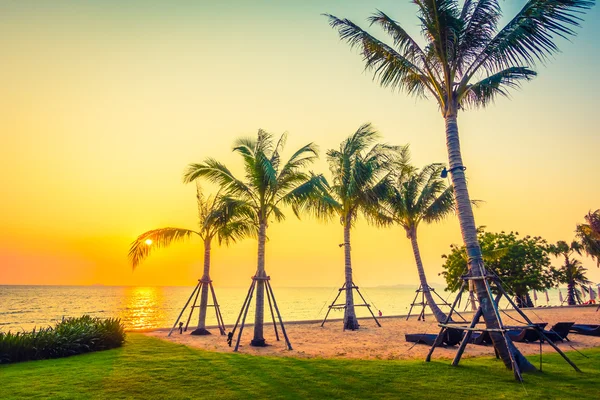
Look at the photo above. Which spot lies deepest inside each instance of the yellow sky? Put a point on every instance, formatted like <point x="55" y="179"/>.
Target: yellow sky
<point x="103" y="106"/>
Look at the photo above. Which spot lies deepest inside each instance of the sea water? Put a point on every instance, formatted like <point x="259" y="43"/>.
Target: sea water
<point x="24" y="307"/>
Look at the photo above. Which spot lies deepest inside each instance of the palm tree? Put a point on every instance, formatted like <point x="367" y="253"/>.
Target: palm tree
<point x="361" y="170"/>
<point x="589" y="235"/>
<point x="268" y="185"/>
<point x="421" y="196"/>
<point x="572" y="272"/>
<point x="467" y="62"/>
<point x="219" y="218"/>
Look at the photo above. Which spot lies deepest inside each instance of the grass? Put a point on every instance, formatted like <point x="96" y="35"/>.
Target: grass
<point x="153" y="369"/>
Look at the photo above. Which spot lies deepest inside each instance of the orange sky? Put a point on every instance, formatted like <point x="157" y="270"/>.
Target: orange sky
<point x="104" y="105"/>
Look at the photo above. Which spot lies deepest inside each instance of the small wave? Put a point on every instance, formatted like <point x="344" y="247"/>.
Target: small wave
<point x="16" y="312"/>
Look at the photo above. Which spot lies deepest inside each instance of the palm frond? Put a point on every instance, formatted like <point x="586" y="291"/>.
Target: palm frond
<point x="481" y="21"/>
<point x="164" y="237"/>
<point x="390" y="68"/>
<point x="485" y="91"/>
<point x="441" y="207"/>
<point x="530" y="36"/>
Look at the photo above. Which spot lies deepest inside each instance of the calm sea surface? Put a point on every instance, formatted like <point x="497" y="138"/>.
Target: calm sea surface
<point x="26" y="307"/>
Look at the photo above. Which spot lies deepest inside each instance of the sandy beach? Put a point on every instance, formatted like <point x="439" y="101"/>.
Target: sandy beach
<point x="310" y="340"/>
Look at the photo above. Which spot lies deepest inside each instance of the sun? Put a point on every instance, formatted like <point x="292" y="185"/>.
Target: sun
<point x="148" y="242"/>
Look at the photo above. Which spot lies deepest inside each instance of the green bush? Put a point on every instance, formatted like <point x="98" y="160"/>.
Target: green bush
<point x="69" y="337"/>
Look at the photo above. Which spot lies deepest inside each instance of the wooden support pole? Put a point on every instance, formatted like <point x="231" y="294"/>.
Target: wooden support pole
<point x="287" y="340"/>
<point x="448" y="317"/>
<point x="413" y="303"/>
<point x="368" y="306"/>
<point x="467" y="337"/>
<point x="218" y="314"/>
<point x="184" y="307"/>
<point x="539" y="330"/>
<point x="201" y="283"/>
<point x="243" y="307"/>
<point x="247" y="304"/>
<point x="334" y="300"/>
<point x="272" y="315"/>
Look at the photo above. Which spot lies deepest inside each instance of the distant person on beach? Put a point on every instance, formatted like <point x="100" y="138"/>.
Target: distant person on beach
<point x="380" y="313"/>
<point x="229" y="338"/>
<point x="180" y="328"/>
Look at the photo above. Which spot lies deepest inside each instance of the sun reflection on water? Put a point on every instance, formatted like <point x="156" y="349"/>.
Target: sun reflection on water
<point x="141" y="307"/>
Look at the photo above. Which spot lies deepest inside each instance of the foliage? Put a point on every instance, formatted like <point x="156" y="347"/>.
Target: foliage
<point x="149" y="368"/>
<point x="468" y="61"/>
<point x="521" y="262"/>
<point x="589" y="235"/>
<point x="362" y="174"/>
<point x="268" y="183"/>
<point x="218" y="216"/>
<point x="69" y="337"/>
<point x="418" y="196"/>
<point x="571" y="272"/>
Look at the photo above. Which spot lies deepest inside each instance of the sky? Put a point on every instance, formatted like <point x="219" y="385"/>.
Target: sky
<point x="104" y="103"/>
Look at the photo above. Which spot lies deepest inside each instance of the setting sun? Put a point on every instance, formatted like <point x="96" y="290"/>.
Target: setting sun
<point x="148" y="242"/>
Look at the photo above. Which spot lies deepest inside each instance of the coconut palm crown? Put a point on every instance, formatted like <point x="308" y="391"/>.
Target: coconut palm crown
<point x="467" y="61"/>
<point x="589" y="235"/>
<point x="361" y="176"/>
<point x="572" y="273"/>
<point x="219" y="217"/>
<point x="268" y="185"/>
<point x="421" y="196"/>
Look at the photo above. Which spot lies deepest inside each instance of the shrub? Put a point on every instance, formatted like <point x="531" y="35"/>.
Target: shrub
<point x="69" y="337"/>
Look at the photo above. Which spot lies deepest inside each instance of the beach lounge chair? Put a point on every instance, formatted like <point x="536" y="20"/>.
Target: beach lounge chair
<point x="481" y="338"/>
<point x="526" y="335"/>
<point x="452" y="337"/>
<point x="559" y="331"/>
<point x="590" y="330"/>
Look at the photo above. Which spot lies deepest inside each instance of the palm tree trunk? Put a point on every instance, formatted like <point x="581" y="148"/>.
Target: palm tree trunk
<point x="475" y="261"/>
<point x="201" y="330"/>
<point x="259" y="315"/>
<point x="437" y="312"/>
<point x="571" y="294"/>
<point x="350" y="321"/>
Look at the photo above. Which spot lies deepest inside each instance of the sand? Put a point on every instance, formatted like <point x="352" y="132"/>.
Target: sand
<point x="310" y="340"/>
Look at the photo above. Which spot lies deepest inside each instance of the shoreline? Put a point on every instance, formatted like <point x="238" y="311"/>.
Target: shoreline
<point x="310" y="340"/>
<point x="330" y="320"/>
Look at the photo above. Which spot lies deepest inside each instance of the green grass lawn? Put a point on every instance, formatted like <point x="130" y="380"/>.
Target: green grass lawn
<point x="149" y="368"/>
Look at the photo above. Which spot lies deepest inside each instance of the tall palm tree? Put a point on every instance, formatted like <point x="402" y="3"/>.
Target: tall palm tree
<point x="361" y="170"/>
<point x="467" y="62"/>
<point x="589" y="235"/>
<point x="268" y="185"/>
<point x="421" y="196"/>
<point x="572" y="272"/>
<point x="219" y="218"/>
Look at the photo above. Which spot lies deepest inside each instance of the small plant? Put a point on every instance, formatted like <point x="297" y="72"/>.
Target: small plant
<point x="69" y="337"/>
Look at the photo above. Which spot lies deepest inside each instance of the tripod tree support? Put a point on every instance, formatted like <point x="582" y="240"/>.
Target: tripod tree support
<point x="241" y="319"/>
<point x="423" y="303"/>
<point x="202" y="284"/>
<point x="502" y="330"/>
<point x="333" y="305"/>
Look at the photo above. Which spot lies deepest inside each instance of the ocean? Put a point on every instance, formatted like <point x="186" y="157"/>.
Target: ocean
<point x="23" y="308"/>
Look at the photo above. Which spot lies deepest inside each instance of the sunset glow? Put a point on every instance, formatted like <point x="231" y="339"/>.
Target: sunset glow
<point x="105" y="103"/>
